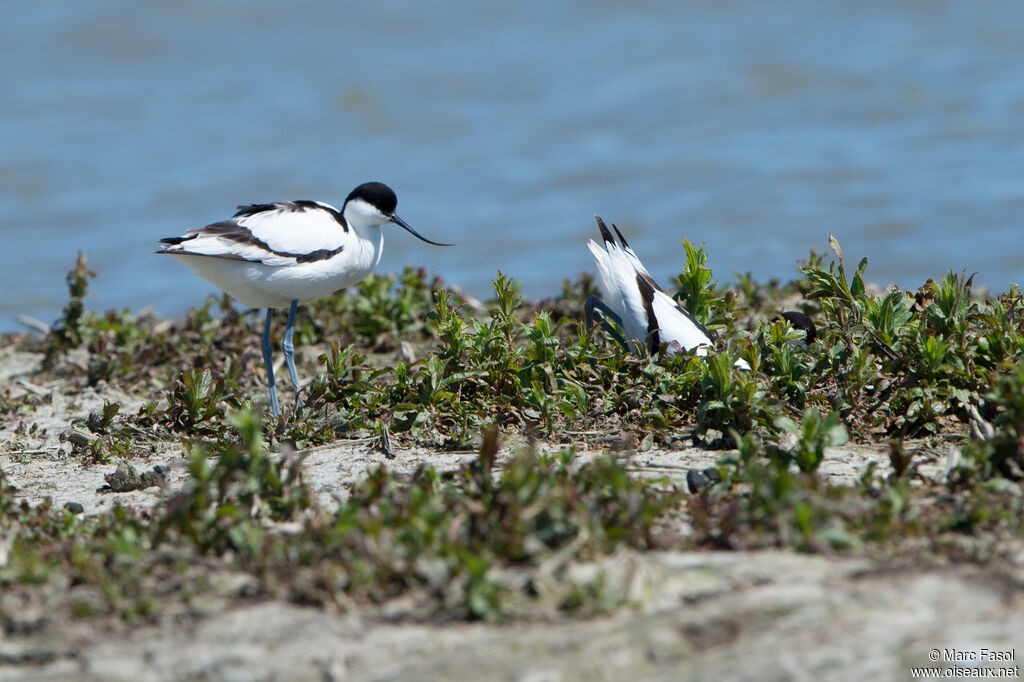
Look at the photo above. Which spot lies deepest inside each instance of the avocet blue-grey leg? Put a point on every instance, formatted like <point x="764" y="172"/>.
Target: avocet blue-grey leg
<point x="289" y="349"/>
<point x="606" y="313"/>
<point x="268" y="363"/>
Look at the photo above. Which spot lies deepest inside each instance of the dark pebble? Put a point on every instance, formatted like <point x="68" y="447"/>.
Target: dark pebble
<point x="697" y="481"/>
<point x="712" y="474"/>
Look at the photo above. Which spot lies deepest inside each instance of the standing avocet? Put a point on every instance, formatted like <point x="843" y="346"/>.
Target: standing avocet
<point x="632" y="298"/>
<point x="286" y="253"/>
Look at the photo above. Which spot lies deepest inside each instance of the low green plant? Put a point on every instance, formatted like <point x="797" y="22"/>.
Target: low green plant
<point x="225" y="502"/>
<point x="698" y="292"/>
<point x="1002" y="453"/>
<point x="197" y="402"/>
<point x="450" y="540"/>
<point x="69" y="331"/>
<point x="813" y="434"/>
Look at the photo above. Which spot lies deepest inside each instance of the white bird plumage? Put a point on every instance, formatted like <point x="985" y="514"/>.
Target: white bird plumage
<point x="282" y="254"/>
<point x="648" y="316"/>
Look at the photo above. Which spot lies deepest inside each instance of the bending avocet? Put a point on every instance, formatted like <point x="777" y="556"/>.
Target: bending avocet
<point x="633" y="300"/>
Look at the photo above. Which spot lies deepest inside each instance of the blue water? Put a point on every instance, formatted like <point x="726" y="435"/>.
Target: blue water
<point x="758" y="128"/>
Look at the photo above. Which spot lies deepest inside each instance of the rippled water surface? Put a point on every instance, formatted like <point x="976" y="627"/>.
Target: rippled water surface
<point x="758" y="128"/>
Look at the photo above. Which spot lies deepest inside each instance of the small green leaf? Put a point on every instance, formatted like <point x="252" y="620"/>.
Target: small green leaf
<point x="834" y="244"/>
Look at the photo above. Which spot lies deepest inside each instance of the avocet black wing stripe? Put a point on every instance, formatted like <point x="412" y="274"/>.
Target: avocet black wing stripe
<point x="707" y="332"/>
<point x="299" y="206"/>
<point x="222" y="256"/>
<point x="646" y="277"/>
<point x="322" y="254"/>
<point x="252" y="209"/>
<point x="647" y="296"/>
<point x="647" y="293"/>
<point x="231" y="231"/>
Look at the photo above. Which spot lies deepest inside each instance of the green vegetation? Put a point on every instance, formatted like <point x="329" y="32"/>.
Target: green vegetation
<point x="894" y="364"/>
<point x="405" y="360"/>
<point x="467" y="544"/>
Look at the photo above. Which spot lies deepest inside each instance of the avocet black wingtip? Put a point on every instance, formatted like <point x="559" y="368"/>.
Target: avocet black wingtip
<point x="606" y="235"/>
<point x="622" y="239"/>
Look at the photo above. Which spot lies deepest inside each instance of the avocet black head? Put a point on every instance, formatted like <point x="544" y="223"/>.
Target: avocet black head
<point x="372" y="204"/>
<point x="803" y="323"/>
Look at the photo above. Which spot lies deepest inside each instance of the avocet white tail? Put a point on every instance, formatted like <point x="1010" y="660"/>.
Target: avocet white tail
<point x="286" y="253"/>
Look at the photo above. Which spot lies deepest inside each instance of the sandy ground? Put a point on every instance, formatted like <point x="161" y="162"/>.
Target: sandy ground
<point x="693" y="616"/>
<point x="712" y="616"/>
